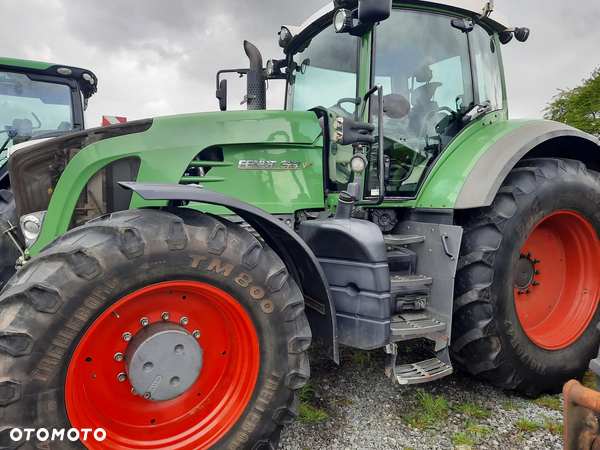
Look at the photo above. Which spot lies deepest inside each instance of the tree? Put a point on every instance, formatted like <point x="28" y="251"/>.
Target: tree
<point x="579" y="107"/>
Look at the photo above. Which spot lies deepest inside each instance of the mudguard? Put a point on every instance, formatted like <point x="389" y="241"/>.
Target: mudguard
<point x="484" y="180"/>
<point x="299" y="259"/>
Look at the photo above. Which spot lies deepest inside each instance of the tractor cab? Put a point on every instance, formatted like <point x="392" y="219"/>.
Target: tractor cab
<point x="439" y="70"/>
<point x="40" y="100"/>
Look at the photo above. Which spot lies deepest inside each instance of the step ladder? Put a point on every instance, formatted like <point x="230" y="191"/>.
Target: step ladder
<point x="421" y="372"/>
<point x="422" y="267"/>
<point x="410" y="325"/>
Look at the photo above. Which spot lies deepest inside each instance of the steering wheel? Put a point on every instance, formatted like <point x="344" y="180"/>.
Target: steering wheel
<point x="354" y="101"/>
<point x="432" y="114"/>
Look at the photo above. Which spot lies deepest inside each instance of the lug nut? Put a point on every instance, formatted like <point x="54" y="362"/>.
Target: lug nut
<point x="144" y="321"/>
<point x="127" y="336"/>
<point x="122" y="377"/>
<point x="535" y="283"/>
<point x="536" y="261"/>
<point x="147" y="395"/>
<point x="133" y="391"/>
<point x="519" y="292"/>
<point x="165" y="316"/>
<point x="196" y="334"/>
<point x="528" y="255"/>
<point x="184" y="321"/>
<point x="118" y="357"/>
<point x="528" y="291"/>
<point x="537" y="272"/>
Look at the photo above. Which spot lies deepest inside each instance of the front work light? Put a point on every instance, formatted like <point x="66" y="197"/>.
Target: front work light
<point x="358" y="162"/>
<point x="342" y="21"/>
<point x="285" y="36"/>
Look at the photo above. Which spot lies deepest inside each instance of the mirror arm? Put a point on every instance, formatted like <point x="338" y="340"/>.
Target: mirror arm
<point x="380" y="155"/>
<point x="221" y="92"/>
<point x="240" y="72"/>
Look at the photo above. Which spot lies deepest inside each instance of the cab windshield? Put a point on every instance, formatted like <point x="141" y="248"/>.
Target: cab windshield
<point x="31" y="108"/>
<point x="325" y="72"/>
<point x="423" y="64"/>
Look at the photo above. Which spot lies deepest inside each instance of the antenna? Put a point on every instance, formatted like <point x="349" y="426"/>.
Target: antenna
<point x="487" y="9"/>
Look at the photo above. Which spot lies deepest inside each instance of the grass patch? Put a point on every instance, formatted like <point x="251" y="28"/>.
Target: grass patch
<point x="511" y="406"/>
<point x="342" y="401"/>
<point x="309" y="413"/>
<point x="478" y="430"/>
<point x="548" y="401"/>
<point x="472" y="410"/>
<point x="527" y="426"/>
<point x="554" y="428"/>
<point x="430" y="411"/>
<point x="589" y="380"/>
<point x="363" y="359"/>
<point x="462" y="439"/>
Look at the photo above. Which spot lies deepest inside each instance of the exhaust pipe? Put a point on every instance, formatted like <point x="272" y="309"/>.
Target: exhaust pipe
<point x="256" y="91"/>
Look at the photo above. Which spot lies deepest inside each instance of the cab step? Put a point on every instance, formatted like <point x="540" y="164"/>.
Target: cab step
<point x="396" y="240"/>
<point x="410" y="325"/>
<point x="409" y="280"/>
<point x="421" y="372"/>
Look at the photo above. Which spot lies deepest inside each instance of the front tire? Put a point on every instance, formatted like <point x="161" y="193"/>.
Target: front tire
<point x="222" y="318"/>
<point x="9" y="253"/>
<point x="528" y="281"/>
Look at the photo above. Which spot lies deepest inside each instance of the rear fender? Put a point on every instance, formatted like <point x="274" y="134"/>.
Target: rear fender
<point x="537" y="139"/>
<point x="299" y="259"/>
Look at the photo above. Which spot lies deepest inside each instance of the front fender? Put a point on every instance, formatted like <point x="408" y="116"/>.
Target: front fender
<point x="299" y="259"/>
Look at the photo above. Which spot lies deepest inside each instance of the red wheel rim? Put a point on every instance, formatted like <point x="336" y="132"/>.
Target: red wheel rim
<point x="198" y="418"/>
<point x="557" y="281"/>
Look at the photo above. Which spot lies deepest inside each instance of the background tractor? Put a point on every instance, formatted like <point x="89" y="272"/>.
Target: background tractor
<point x="38" y="101"/>
<point x="179" y="267"/>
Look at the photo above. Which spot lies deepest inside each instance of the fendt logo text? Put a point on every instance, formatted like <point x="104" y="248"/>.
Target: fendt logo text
<point x="72" y="434"/>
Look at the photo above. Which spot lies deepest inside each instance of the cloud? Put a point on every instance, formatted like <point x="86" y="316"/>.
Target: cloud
<point x="161" y="57"/>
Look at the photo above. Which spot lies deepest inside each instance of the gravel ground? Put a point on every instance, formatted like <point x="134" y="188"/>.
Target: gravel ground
<point x="366" y="411"/>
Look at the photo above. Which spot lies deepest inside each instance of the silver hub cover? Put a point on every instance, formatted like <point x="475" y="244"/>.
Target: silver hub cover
<point x="162" y="361"/>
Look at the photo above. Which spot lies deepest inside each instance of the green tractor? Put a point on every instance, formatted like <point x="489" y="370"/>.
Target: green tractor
<point x="38" y="101"/>
<point x="178" y="269"/>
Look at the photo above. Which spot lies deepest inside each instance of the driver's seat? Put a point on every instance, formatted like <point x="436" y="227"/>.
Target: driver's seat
<point x="423" y="105"/>
<point x="24" y="129"/>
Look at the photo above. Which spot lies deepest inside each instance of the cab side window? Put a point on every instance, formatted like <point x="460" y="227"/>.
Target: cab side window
<point x="487" y="63"/>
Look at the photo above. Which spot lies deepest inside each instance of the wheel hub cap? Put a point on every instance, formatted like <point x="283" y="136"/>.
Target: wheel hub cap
<point x="162" y="361"/>
<point x="524" y="273"/>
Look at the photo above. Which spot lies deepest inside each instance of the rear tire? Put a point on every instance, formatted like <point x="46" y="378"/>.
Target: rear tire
<point x="64" y="318"/>
<point x="533" y="329"/>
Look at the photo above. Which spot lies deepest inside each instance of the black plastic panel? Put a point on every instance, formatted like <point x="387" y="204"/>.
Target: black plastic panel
<point x="353" y="257"/>
<point x="354" y="240"/>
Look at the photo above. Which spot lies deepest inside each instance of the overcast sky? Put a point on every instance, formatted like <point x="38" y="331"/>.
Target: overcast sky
<point x="159" y="57"/>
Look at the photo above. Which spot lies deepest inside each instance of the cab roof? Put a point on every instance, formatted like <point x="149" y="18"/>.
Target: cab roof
<point x="472" y="8"/>
<point x="88" y="82"/>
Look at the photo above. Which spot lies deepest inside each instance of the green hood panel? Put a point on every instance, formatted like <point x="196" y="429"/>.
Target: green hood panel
<point x="271" y="159"/>
<point x="22" y="63"/>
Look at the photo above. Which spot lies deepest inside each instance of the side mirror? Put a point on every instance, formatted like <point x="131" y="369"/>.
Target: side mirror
<point x="373" y="11"/>
<point x="522" y="34"/>
<point x="222" y="95"/>
<point x="505" y="37"/>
